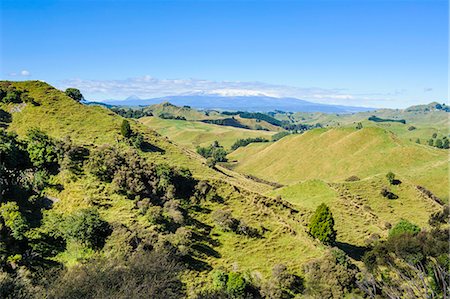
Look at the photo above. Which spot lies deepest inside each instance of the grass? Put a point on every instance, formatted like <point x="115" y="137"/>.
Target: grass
<point x="315" y="164"/>
<point x="335" y="154"/>
<point x="192" y="133"/>
<point x="358" y="207"/>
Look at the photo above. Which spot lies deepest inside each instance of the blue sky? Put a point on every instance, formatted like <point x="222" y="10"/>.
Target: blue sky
<point x="362" y="52"/>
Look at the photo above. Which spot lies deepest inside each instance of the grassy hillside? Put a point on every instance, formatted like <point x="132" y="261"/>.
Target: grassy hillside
<point x="335" y="154"/>
<point x="192" y="134"/>
<point x="359" y="208"/>
<point x="59" y="116"/>
<point x="78" y="204"/>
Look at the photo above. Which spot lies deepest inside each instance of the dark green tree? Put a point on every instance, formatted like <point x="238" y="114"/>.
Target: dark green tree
<point x="430" y="142"/>
<point x="439" y="143"/>
<point x="125" y="129"/>
<point x="87" y="227"/>
<point x="41" y="149"/>
<point x="434" y="135"/>
<point x="445" y="143"/>
<point x="322" y="225"/>
<point x="75" y="94"/>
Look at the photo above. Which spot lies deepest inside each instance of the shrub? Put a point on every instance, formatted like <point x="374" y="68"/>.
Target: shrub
<point x="74" y="94"/>
<point x="87" y="227"/>
<point x="41" y="149"/>
<point x="390" y="176"/>
<point x="236" y="285"/>
<point x="14" y="220"/>
<point x="225" y="221"/>
<point x="321" y="225"/>
<point x="332" y="276"/>
<point x="219" y="278"/>
<point x="411" y="128"/>
<point x="104" y="162"/>
<point x="125" y="129"/>
<point x="402" y="227"/>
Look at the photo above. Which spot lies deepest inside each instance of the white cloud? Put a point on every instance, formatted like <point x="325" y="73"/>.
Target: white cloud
<point x="25" y="73"/>
<point x="149" y="87"/>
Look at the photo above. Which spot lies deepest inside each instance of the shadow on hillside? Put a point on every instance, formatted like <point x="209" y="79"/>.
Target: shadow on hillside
<point x="202" y="248"/>
<point x="150" y="148"/>
<point x="354" y="251"/>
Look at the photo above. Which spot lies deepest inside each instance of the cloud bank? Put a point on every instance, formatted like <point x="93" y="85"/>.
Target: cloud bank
<point x="146" y="87"/>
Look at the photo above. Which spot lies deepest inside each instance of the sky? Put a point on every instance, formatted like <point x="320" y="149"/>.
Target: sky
<point x="355" y="52"/>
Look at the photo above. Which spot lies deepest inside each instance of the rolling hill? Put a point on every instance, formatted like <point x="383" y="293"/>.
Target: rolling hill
<point x="338" y="153"/>
<point x="160" y="196"/>
<point x="192" y="133"/>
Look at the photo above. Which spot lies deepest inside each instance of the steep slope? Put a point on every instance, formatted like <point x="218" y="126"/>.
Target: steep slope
<point x="335" y="154"/>
<point x="192" y="134"/>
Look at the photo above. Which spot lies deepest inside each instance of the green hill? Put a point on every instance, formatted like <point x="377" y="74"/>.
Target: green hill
<point x="92" y="208"/>
<point x="335" y="154"/>
<point x="192" y="133"/>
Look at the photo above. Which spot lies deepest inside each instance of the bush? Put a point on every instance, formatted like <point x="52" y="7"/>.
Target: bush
<point x="74" y="94"/>
<point x="225" y="221"/>
<point x="236" y="285"/>
<point x="390" y="176"/>
<point x="41" y="149"/>
<point x="321" y="225"/>
<point x="14" y="220"/>
<point x="332" y="276"/>
<point x="404" y="226"/>
<point x="87" y="227"/>
<point x="105" y="162"/>
<point x="125" y="129"/>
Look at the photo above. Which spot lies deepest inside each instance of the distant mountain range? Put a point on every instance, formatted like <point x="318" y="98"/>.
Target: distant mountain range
<point x="246" y="103"/>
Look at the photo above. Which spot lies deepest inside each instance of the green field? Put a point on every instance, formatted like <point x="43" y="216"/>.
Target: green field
<point x="193" y="133"/>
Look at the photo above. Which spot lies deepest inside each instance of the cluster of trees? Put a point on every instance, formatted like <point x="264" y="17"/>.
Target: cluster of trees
<point x="379" y="119"/>
<point x="166" y="115"/>
<point x="213" y="153"/>
<point x="280" y="135"/>
<point x="131" y="113"/>
<point x="443" y="143"/>
<point x="231" y="122"/>
<point x="244" y="142"/>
